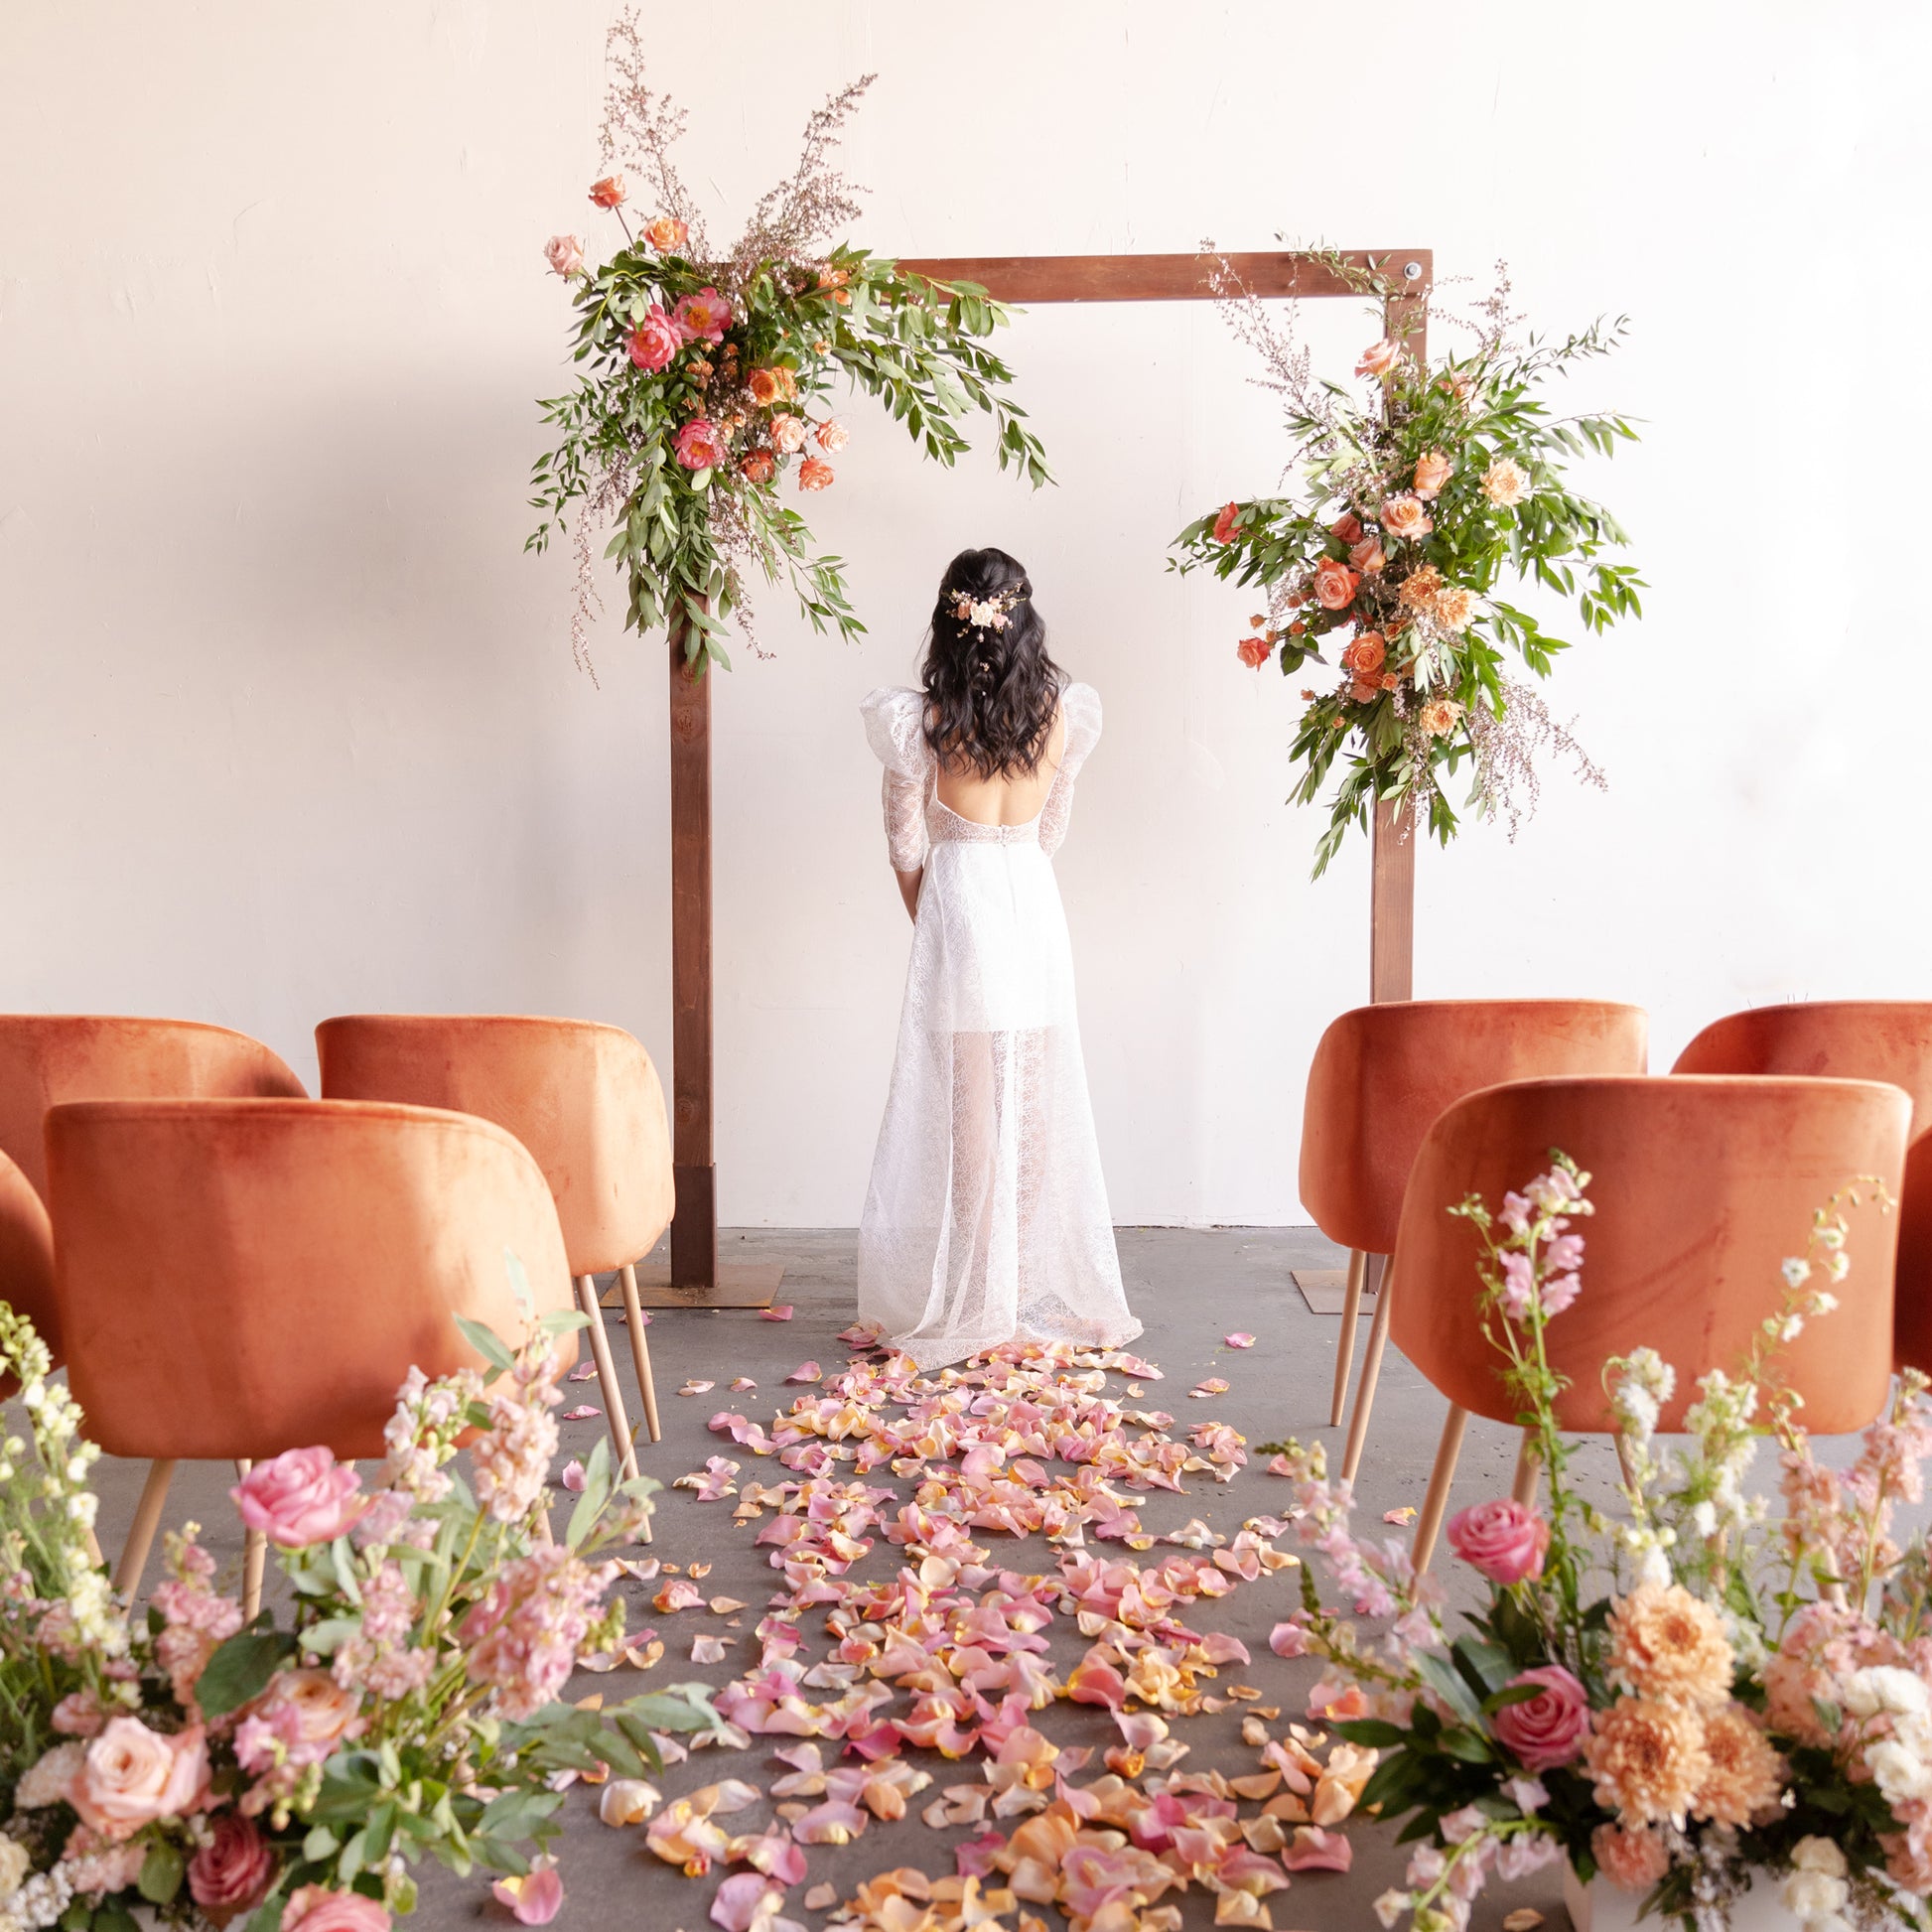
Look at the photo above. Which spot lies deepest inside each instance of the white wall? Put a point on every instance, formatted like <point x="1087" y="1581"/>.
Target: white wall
<point x="289" y="727"/>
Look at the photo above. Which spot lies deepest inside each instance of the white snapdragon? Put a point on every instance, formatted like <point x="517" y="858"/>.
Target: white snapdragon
<point x="1884" y="1690"/>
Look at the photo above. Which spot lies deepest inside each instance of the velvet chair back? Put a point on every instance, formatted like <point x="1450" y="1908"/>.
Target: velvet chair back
<point x="1842" y="1039"/>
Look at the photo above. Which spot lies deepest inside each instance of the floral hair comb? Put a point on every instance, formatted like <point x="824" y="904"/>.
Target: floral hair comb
<point x="987" y="613"/>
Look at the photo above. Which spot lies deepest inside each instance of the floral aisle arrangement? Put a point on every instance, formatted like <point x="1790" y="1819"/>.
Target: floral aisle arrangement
<point x="707" y="377"/>
<point x="178" y="1759"/>
<point x="1420" y="495"/>
<point x="1752" y="1697"/>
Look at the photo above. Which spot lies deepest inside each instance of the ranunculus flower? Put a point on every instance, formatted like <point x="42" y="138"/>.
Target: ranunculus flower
<point x="1254" y="652"/>
<point x="654" y="341"/>
<point x="701" y="317"/>
<point x="814" y="474"/>
<point x="1224" y="523"/>
<point x="1550" y="1728"/>
<point x="1379" y="358"/>
<point x="788" y="434"/>
<point x="758" y="466"/>
<point x="832" y="436"/>
<point x="1404" y="516"/>
<point x="300" y="1498"/>
<point x="666" y="233"/>
<point x="131" y="1776"/>
<point x="1334" y="584"/>
<point x="231" y="1873"/>
<point x="317" y="1908"/>
<point x="1502" y="1539"/>
<point x="697" y="446"/>
<point x="1433" y="470"/>
<point x="564" y="253"/>
<point x="607" y="192"/>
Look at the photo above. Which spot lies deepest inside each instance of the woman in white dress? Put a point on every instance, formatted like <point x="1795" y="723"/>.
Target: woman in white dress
<point x="986" y="1217"/>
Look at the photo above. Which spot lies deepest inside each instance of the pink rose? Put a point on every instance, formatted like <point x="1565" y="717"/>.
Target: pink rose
<point x="701" y="317"/>
<point x="1404" y="516"/>
<point x="1379" y="358"/>
<point x="300" y="1498"/>
<point x="697" y="446"/>
<point x="1550" y="1728"/>
<point x="564" y="253"/>
<point x="654" y="340"/>
<point x="319" y="1909"/>
<point x="833" y="435"/>
<point x="323" y="1713"/>
<point x="131" y="1776"/>
<point x="1224" y="523"/>
<point x="1503" y="1540"/>
<point x="231" y="1873"/>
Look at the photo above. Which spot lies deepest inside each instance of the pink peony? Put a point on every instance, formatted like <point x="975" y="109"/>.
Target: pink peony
<point x="697" y="445"/>
<point x="564" y="253"/>
<point x="300" y="1498"/>
<point x="1550" y="1728"/>
<point x="1503" y="1540"/>
<point x="654" y="341"/>
<point x="231" y="1873"/>
<point x="316" y="1908"/>
<point x="132" y="1776"/>
<point x="701" y="317"/>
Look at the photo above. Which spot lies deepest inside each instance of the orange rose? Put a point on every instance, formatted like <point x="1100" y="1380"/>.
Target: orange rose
<point x="1253" y="652"/>
<point x="786" y="381"/>
<point x="758" y="466"/>
<point x="1433" y="470"/>
<point x="666" y="233"/>
<point x="764" y="386"/>
<point x="609" y="192"/>
<point x="814" y="474"/>
<point x="1367" y="555"/>
<point x="1346" y="529"/>
<point x="1364" y="656"/>
<point x="1404" y="516"/>
<point x="1334" y="584"/>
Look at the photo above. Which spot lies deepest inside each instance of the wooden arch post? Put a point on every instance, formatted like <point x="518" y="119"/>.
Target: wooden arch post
<point x="696" y="1277"/>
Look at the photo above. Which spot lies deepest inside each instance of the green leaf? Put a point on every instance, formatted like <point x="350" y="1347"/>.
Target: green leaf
<point x="162" y="1871"/>
<point x="1375" y="1731"/>
<point x="485" y="1341"/>
<point x="597" y="1493"/>
<point x="240" y="1669"/>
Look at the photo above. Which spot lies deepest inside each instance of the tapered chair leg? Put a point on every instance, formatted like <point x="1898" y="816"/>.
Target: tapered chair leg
<point x="1529" y="1469"/>
<point x="1434" y="1505"/>
<point x="1378" y="1339"/>
<point x="1351" y="1308"/>
<point x="633" y="1316"/>
<point x="254" y="1557"/>
<point x="607" y="1376"/>
<point x="140" y="1533"/>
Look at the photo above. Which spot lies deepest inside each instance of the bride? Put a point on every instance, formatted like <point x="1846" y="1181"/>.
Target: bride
<point x="986" y="1217"/>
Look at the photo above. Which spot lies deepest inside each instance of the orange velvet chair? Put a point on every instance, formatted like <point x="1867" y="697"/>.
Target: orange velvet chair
<point x="236" y="1277"/>
<point x="47" y="1059"/>
<point x="586" y="1102"/>
<point x="1381" y="1075"/>
<point x="1841" y="1039"/>
<point x="27" y="1262"/>
<point x="1912" y="1329"/>
<point x="1701" y="1186"/>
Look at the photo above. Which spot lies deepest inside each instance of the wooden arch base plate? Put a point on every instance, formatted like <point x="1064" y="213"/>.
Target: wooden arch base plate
<point x="740" y="1285"/>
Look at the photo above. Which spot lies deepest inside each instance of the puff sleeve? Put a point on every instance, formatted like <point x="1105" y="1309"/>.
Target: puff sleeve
<point x="1081" y="705"/>
<point x="894" y="729"/>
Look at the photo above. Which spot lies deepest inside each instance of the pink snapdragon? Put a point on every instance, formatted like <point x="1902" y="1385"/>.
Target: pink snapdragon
<point x="525" y="1636"/>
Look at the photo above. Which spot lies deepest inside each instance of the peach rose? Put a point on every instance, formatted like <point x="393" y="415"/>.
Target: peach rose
<point x="1404" y="516"/>
<point x="814" y="474"/>
<point x="1364" y="656"/>
<point x="131" y="1776"/>
<point x="1505" y="483"/>
<point x="833" y="435"/>
<point x="324" y="1709"/>
<point x="607" y="192"/>
<point x="1346" y="529"/>
<point x="1433" y="471"/>
<point x="759" y="465"/>
<point x="1334" y="584"/>
<point x="1368" y="556"/>
<point x="1224" y="523"/>
<point x="565" y="254"/>
<point x="1457" y="384"/>
<point x="231" y="1873"/>
<point x="788" y="434"/>
<point x="697" y="446"/>
<point x="300" y="1498"/>
<point x="783" y="376"/>
<point x="764" y="387"/>
<point x="655" y="343"/>
<point x="1379" y="358"/>
<point x="666" y="233"/>
<point x="1254" y="652"/>
<point x="702" y="318"/>
<point x="319" y="1909"/>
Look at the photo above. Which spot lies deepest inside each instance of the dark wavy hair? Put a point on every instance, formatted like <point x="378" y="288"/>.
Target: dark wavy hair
<point x="990" y="693"/>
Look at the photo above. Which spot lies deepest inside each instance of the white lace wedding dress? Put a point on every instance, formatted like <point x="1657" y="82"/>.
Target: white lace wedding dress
<point x="986" y="1217"/>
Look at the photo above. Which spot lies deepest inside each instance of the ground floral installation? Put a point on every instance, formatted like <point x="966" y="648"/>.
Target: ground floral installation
<point x="708" y="376"/>
<point x="1750" y="1696"/>
<point x="1420" y="495"/>
<point x="175" y="1762"/>
<point x="950" y="1655"/>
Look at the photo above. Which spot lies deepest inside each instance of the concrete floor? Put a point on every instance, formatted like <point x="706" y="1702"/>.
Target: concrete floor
<point x="1190" y="1288"/>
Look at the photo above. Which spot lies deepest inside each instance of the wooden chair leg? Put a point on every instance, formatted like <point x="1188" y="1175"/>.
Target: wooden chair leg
<point x="95" y="1557"/>
<point x="607" y="1376"/>
<point x="1529" y="1469"/>
<point x="633" y="1316"/>
<point x="140" y="1533"/>
<point x="1434" y="1505"/>
<point x="1624" y="1463"/>
<point x="1378" y="1339"/>
<point x="1351" y="1308"/>
<point x="254" y="1557"/>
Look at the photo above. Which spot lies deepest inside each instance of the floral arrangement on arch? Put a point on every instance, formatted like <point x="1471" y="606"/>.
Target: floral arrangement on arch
<point x="707" y="377"/>
<point x="1752" y="1697"/>
<point x="179" y="1761"/>
<point x="1420" y="495"/>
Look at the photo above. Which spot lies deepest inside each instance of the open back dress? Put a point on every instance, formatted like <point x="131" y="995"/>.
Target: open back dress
<point x="986" y="1216"/>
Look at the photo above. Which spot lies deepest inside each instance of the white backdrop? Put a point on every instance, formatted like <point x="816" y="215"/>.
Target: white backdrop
<point x="289" y="727"/>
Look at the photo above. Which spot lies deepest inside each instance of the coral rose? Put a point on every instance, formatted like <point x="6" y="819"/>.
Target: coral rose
<point x="1647" y="1760"/>
<point x="1747" y="1776"/>
<point x="1505" y="483"/>
<point x="764" y="387"/>
<point x="1368" y="556"/>
<point x="1364" y="656"/>
<point x="1404" y="516"/>
<point x="667" y="233"/>
<point x="1433" y="471"/>
<point x="655" y="343"/>
<point x="131" y="1776"/>
<point x="814" y="474"/>
<point x="1550" y="1728"/>
<point x="231" y="1873"/>
<point x="832" y="436"/>
<point x="564" y="253"/>
<point x="1254" y="652"/>
<point x="1364" y="691"/>
<point x="788" y="434"/>
<point x="1224" y="523"/>
<point x="1346" y="529"/>
<point x="697" y="446"/>
<point x="1379" y="358"/>
<point x="607" y="192"/>
<point x="1666" y="1643"/>
<point x="300" y="1498"/>
<point x="1503" y="1540"/>
<point x="317" y="1908"/>
<point x="701" y="317"/>
<point x="1334" y="584"/>
<point x="1630" y="1861"/>
<point x="759" y="465"/>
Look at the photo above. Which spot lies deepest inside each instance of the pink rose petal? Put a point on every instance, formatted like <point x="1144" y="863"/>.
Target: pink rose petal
<point x="533" y="1901"/>
<point x="1315" y="1850"/>
<point x="573" y="1476"/>
<point x="583" y="1413"/>
<point x="805" y="1372"/>
<point x="1239" y="1341"/>
<point x="781" y="1312"/>
<point x="582" y="1371"/>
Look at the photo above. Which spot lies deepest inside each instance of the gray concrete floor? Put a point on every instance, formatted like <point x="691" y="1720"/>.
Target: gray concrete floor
<point x="1190" y="1288"/>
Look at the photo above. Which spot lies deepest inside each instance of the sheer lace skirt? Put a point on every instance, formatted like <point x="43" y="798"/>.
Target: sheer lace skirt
<point x="986" y="1219"/>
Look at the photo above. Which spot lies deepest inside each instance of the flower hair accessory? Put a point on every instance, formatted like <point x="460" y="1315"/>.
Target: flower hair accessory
<point x="987" y="613"/>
